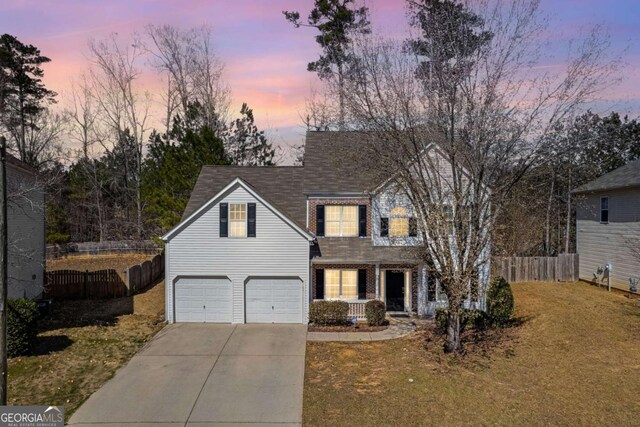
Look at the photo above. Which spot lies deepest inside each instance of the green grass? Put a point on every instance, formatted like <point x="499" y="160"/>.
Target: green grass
<point x="573" y="360"/>
<point x="82" y="347"/>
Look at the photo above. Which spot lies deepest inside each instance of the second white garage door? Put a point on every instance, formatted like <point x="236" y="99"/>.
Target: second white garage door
<point x="274" y="301"/>
<point x="203" y="300"/>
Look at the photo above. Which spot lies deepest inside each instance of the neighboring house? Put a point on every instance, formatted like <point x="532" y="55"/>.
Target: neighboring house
<point x="26" y="230"/>
<point x="258" y="244"/>
<point x="608" y="225"/>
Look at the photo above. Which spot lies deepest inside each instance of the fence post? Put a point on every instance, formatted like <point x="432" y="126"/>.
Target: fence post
<point x="127" y="277"/>
<point x="84" y="284"/>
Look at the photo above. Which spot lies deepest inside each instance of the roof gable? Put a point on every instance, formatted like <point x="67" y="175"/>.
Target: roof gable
<point x="229" y="187"/>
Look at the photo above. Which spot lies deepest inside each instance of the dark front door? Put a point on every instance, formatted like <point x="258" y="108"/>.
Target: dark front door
<point x="394" y="290"/>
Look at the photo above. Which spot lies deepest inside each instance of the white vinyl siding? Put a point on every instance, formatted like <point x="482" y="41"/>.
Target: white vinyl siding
<point x="599" y="243"/>
<point x="277" y="251"/>
<point x="26" y="234"/>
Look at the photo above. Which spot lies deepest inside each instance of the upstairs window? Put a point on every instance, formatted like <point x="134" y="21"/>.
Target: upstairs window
<point x="398" y="223"/>
<point x="341" y="221"/>
<point x="238" y="220"/>
<point x="604" y="210"/>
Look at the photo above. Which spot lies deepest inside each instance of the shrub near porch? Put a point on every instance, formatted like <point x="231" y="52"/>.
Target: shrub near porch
<point x="572" y="361"/>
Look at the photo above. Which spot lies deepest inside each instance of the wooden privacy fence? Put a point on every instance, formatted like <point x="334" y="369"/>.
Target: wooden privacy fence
<point x="563" y="268"/>
<point x="72" y="284"/>
<point x="140" y="276"/>
<point x="102" y="284"/>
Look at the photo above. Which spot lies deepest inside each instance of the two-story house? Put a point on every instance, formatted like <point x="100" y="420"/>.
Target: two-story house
<point x="258" y="244"/>
<point x="608" y="225"/>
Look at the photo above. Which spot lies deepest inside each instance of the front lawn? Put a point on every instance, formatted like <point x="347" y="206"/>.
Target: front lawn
<point x="573" y="360"/>
<point x="82" y="346"/>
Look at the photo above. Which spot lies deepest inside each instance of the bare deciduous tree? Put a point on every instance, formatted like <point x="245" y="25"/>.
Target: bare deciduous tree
<point x="123" y="107"/>
<point x="456" y="124"/>
<point x="194" y="73"/>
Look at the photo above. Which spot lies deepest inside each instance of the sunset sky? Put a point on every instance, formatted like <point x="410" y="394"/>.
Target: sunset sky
<point x="266" y="56"/>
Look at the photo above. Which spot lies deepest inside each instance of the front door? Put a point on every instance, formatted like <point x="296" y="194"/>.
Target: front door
<point x="394" y="290"/>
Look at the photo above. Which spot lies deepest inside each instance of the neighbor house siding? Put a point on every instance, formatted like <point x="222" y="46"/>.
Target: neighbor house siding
<point x="600" y="244"/>
<point x="278" y="250"/>
<point x="26" y="234"/>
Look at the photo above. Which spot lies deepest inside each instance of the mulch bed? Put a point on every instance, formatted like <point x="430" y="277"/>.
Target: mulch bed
<point x="360" y="327"/>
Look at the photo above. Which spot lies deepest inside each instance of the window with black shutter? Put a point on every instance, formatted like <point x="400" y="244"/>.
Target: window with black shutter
<point x="362" y="220"/>
<point x="413" y="227"/>
<point x="251" y="220"/>
<point x="384" y="227"/>
<point x="224" y="220"/>
<point x="320" y="284"/>
<point x="320" y="220"/>
<point x="362" y="284"/>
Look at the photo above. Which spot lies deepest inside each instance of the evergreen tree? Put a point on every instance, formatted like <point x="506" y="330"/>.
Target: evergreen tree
<point x="245" y="144"/>
<point x="172" y="166"/>
<point x="23" y="96"/>
<point x="338" y="22"/>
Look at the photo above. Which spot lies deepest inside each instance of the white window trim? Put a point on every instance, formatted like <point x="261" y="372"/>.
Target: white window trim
<point x="341" y="234"/>
<point x="246" y="221"/>
<point x="340" y="286"/>
<point x="601" y="210"/>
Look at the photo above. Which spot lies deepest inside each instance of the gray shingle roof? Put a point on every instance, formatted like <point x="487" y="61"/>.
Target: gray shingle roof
<point x="356" y="250"/>
<point x="623" y="177"/>
<point x="279" y="185"/>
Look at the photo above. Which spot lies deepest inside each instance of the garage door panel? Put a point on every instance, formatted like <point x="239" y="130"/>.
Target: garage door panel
<point x="274" y="301"/>
<point x="203" y="300"/>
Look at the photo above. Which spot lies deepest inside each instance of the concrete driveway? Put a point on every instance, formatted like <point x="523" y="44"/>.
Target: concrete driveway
<point x="205" y="374"/>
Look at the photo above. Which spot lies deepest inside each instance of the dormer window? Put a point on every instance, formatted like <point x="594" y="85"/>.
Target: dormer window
<point x="398" y="223"/>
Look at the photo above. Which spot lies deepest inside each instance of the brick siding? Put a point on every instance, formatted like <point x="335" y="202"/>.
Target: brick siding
<point x="338" y="202"/>
<point x="371" y="276"/>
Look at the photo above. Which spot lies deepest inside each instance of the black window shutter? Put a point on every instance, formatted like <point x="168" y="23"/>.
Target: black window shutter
<point x="362" y="284"/>
<point x="319" y="284"/>
<point x="320" y="220"/>
<point x="384" y="227"/>
<point x="251" y="220"/>
<point x="362" y="219"/>
<point x="224" y="220"/>
<point x="413" y="227"/>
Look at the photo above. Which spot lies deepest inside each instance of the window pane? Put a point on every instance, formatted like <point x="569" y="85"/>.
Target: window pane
<point x="332" y="284"/>
<point x="238" y="229"/>
<point x="398" y="212"/>
<point x="399" y="227"/>
<point x="349" y="220"/>
<point x="349" y="284"/>
<point x="332" y="213"/>
<point x="332" y="229"/>
<point x="604" y="203"/>
<point x="238" y="220"/>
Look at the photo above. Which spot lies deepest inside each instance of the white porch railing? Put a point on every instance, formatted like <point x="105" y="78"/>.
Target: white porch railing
<point x="356" y="309"/>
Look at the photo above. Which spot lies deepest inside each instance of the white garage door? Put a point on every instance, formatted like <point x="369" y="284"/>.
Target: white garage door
<point x="274" y="301"/>
<point x="203" y="300"/>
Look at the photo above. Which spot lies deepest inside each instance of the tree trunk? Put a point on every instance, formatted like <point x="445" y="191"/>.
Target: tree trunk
<point x="547" y="236"/>
<point x="453" y="343"/>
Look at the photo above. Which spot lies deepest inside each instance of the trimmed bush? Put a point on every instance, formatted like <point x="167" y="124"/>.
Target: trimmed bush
<point x="441" y="319"/>
<point x="375" y="312"/>
<point x="328" y="313"/>
<point x="22" y="326"/>
<point x="476" y="319"/>
<point x="500" y="302"/>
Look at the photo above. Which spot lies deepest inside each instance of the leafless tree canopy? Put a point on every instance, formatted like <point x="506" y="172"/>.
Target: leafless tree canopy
<point x="456" y="125"/>
<point x="193" y="72"/>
